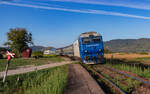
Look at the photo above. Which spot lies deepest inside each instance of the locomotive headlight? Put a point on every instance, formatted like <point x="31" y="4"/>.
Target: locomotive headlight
<point x="85" y="51"/>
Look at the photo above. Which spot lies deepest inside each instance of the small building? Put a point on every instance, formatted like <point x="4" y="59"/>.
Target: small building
<point x="27" y="53"/>
<point x="49" y="51"/>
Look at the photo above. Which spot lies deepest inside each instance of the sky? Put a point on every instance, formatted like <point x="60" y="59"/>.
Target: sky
<point x="58" y="23"/>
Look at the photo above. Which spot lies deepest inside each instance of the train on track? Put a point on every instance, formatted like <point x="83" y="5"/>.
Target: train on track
<point x="89" y="47"/>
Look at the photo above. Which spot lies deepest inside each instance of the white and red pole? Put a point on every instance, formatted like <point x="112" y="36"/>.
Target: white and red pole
<point x="10" y="55"/>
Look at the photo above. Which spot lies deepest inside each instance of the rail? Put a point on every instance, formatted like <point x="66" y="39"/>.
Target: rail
<point x="111" y="85"/>
<point x="130" y="76"/>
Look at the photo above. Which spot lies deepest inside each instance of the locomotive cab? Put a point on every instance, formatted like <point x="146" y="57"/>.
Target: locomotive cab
<point x="91" y="48"/>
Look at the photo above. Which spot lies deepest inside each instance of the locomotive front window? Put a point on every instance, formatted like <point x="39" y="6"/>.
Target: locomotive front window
<point x="96" y="39"/>
<point x="86" y="40"/>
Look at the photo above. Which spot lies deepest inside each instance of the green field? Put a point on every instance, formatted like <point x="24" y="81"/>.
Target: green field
<point x="47" y="81"/>
<point x="30" y="61"/>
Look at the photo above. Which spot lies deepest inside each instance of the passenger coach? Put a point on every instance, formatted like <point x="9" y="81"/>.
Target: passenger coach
<point x="89" y="47"/>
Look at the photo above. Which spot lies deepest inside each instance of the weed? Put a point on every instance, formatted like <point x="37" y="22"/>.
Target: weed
<point x="145" y="72"/>
<point x="47" y="81"/>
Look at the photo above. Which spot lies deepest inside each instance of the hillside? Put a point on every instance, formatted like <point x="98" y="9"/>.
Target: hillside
<point x="128" y="45"/>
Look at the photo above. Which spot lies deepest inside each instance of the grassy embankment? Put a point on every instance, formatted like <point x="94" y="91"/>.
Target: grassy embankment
<point x="47" y="81"/>
<point x="30" y="61"/>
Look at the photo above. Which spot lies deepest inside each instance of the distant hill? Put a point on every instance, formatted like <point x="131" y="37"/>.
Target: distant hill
<point x="128" y="45"/>
<point x="117" y="45"/>
<point x="40" y="48"/>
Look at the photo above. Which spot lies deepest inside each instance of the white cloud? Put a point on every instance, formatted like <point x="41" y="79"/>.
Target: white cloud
<point x="138" y="4"/>
<point x="101" y="12"/>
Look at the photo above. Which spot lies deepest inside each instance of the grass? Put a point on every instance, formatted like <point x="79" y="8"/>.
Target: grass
<point x="125" y="84"/>
<point x="105" y="86"/>
<point x="143" y="59"/>
<point x="30" y="61"/>
<point x="143" y="53"/>
<point x="126" y="87"/>
<point x="131" y="85"/>
<point x="127" y="56"/>
<point x="145" y="73"/>
<point x="47" y="81"/>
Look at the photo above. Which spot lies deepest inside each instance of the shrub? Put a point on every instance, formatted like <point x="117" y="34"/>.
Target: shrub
<point x="5" y="56"/>
<point x="1" y="56"/>
<point x="37" y="54"/>
<point x="107" y="51"/>
<point x="50" y="55"/>
<point x="143" y="53"/>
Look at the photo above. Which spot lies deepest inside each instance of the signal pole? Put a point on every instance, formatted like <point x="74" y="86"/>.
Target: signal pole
<point x="6" y="70"/>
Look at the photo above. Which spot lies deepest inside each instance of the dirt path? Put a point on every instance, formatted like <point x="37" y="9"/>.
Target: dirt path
<point x="33" y="68"/>
<point x="80" y="81"/>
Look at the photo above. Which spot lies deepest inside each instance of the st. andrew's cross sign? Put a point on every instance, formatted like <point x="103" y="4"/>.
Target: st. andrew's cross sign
<point x="10" y="55"/>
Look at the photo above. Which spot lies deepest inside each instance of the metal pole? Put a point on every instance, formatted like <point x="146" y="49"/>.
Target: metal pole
<point x="6" y="70"/>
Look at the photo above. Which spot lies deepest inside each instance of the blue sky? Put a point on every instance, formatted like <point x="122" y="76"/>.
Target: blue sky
<point x="59" y="22"/>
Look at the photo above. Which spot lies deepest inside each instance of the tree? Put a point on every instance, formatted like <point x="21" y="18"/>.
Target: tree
<point x="37" y="54"/>
<point x="18" y="40"/>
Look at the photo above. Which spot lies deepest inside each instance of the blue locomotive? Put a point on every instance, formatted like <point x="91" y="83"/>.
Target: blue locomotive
<point x="89" y="47"/>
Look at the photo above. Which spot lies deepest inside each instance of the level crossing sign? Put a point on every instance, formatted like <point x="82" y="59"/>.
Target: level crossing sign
<point x="10" y="55"/>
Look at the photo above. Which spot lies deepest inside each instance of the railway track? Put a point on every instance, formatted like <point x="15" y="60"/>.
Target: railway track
<point x="146" y="83"/>
<point x="143" y="83"/>
<point x="114" y="88"/>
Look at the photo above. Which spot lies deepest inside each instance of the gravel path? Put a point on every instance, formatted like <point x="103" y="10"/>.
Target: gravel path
<point x="80" y="81"/>
<point x="33" y="68"/>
